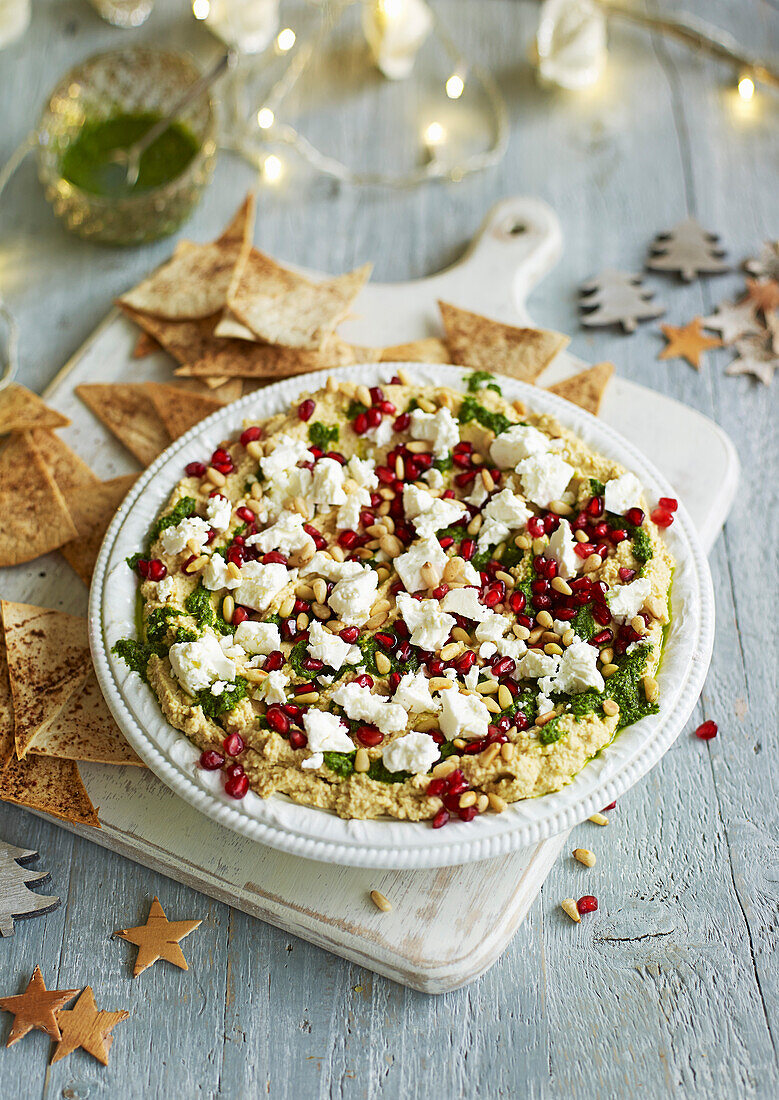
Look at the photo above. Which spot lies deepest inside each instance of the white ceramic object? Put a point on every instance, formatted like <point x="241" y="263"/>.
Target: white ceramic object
<point x="313" y="833"/>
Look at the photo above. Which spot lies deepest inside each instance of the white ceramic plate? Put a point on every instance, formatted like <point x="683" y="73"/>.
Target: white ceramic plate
<point x="316" y="834"/>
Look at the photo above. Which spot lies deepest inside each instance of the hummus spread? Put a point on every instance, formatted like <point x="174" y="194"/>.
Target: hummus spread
<point x="403" y="601"/>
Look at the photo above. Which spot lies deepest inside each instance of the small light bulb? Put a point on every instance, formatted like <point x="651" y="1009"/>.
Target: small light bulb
<point x="201" y="9"/>
<point x="272" y="169"/>
<point x="285" y="39"/>
<point x="455" y="86"/>
<point x="746" y="87"/>
<point x="434" y="134"/>
<point x="389" y="8"/>
<point x="265" y="118"/>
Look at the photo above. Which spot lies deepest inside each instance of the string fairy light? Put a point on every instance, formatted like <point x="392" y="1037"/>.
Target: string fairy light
<point x="746" y="86"/>
<point x="285" y="40"/>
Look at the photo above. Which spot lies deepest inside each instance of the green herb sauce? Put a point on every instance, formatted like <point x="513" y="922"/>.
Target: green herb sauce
<point x="214" y="705"/>
<point x="185" y="508"/>
<point x="320" y="435"/>
<point x="624" y="687"/>
<point x="494" y="421"/>
<point x="342" y="763"/>
<point x="482" y="379"/>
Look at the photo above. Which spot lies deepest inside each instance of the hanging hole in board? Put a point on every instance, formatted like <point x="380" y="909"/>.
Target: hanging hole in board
<point x="516" y="229"/>
<point x="512" y="227"/>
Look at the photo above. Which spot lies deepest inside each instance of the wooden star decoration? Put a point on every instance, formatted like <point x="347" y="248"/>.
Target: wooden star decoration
<point x="84" y="1026"/>
<point x="756" y="356"/>
<point x="36" y="1008"/>
<point x="763" y="294"/>
<point x="733" y="320"/>
<point x="687" y="342"/>
<point x="158" y="939"/>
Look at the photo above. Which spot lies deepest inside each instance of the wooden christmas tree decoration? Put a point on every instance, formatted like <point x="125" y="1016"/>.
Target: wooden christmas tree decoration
<point x="733" y="320"/>
<point x="756" y="356"/>
<point x="617" y="298"/>
<point x="766" y="264"/>
<point x="158" y="939"/>
<point x="763" y="294"/>
<point x="16" y="899"/>
<point x="687" y="342"/>
<point x="689" y="249"/>
<point x="36" y="1008"/>
<point x="83" y="1026"/>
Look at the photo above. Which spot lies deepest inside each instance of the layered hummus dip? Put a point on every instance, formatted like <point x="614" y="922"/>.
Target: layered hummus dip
<point x="403" y="601"/>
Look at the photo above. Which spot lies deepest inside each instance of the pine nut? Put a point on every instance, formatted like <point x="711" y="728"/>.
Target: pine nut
<point x="255" y="450"/>
<point x="585" y="856"/>
<point x="489" y="754"/>
<point x="488" y="687"/>
<point x="539" y="545"/>
<point x="569" y="907"/>
<point x="561" y="586"/>
<point x="363" y="395"/>
<point x="400" y="468"/>
<point x="580" y="536"/>
<point x="475" y="525"/>
<point x="428" y="575"/>
<point x="320" y="611"/>
<point x="233" y="571"/>
<point x="425" y="405"/>
<point x="419" y="446"/>
<point x="598" y="819"/>
<point x="379" y="606"/>
<point x="482" y="802"/>
<point x="651" y="689"/>
<point x="450" y="650"/>
<point x="376" y="621"/>
<point x="383" y="664"/>
<point x="459" y="743"/>
<point x="387" y="494"/>
<point x="361" y="761"/>
<point x="287" y="607"/>
<point x="606" y="655"/>
<point x="319" y="590"/>
<point x="544" y="619"/>
<point x="461" y="635"/>
<point x="544" y="718"/>
<point x="389" y="523"/>
<point x="376" y="530"/>
<point x="383" y="511"/>
<point x="380" y="901"/>
<point x="256" y="490"/>
<point x="638" y="625"/>
<point x="553" y="649"/>
<point x="446" y="767"/>
<point x="549" y="636"/>
<point x="508" y="580"/>
<point x="535" y="635"/>
<point x="486" y="480"/>
<point x="477" y="459"/>
<point x="568" y="637"/>
<point x="505" y="698"/>
<point x="302" y="620"/>
<point x="610" y="707"/>
<point x="391" y="545"/>
<point x="439" y="683"/>
<point x="405" y="377"/>
<point x="656" y="608"/>
<point x="331" y="385"/>
<point x="215" y="477"/>
<point x="497" y="803"/>
<point x="307" y="698"/>
<point x="609" y="670"/>
<point x="560" y="508"/>
<point x="505" y="750"/>
<point x="520" y="632"/>
<point x="593" y="562"/>
<point x="492" y="705"/>
<point x="467" y="799"/>
<point x="255" y="675"/>
<point x="228" y="607"/>
<point x="196" y="565"/>
<point x="522" y="542"/>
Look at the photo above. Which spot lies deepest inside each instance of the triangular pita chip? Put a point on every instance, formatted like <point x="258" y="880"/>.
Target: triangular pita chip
<point x="69" y="471"/>
<point x="35" y="518"/>
<point x="226" y="390"/>
<point x="50" y="786"/>
<point x="586" y="388"/>
<point x="127" y="411"/>
<point x="85" y="730"/>
<point x="21" y="409"/>
<point x="239" y="358"/>
<point x="179" y="410"/>
<point x="194" y="282"/>
<point x="430" y="349"/>
<point x="482" y="344"/>
<point x="92" y="512"/>
<point x="145" y="345"/>
<point x="282" y="307"/>
<point x="230" y="326"/>
<point x="48" y="660"/>
<point x="7" y="745"/>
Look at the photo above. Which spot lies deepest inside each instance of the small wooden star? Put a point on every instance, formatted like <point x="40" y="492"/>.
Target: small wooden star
<point x="36" y="1008"/>
<point x="756" y="356"/>
<point x="734" y="320"/>
<point x="83" y="1026"/>
<point x="687" y="342"/>
<point x="763" y="294"/>
<point x="158" y="939"/>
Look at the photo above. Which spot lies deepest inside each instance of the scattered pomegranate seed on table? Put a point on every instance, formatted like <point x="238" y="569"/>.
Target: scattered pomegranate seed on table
<point x="706" y="730"/>
<point x="587" y="904"/>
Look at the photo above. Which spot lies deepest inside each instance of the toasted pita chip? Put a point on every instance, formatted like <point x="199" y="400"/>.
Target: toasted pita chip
<point x="7" y="744"/>
<point x="229" y="326"/>
<point x="92" y="512"/>
<point x="127" y="410"/>
<point x="281" y="307"/>
<point x="241" y="359"/>
<point x="35" y="518"/>
<point x="427" y="350"/>
<point x="49" y="786"/>
<point x="194" y="282"/>
<point x="227" y="390"/>
<point x="48" y="660"/>
<point x="68" y="470"/>
<point x="145" y="345"/>
<point x="85" y="730"/>
<point x="179" y="410"/>
<point x="586" y="388"/>
<point x="482" y="344"/>
<point x="21" y="410"/>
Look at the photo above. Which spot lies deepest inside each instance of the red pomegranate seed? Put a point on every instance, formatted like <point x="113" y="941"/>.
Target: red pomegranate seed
<point x="634" y="516"/>
<point x="348" y="539"/>
<point x="467" y="549"/>
<point x="584" y="549"/>
<point x="602" y="549"/>
<point x="595" y="507"/>
<point x="387" y="408"/>
<point x="143" y="565"/>
<point x="669" y="503"/>
<point x="377" y="394"/>
<point x="626" y="575"/>
<point x="366" y="519"/>
<point x="195" y="469"/>
<point x="403" y="652"/>
<point x="436" y="787"/>
<point x="233" y="744"/>
<point x="467" y="813"/>
<point x="211" y="761"/>
<point x="374" y="417"/>
<point x="313" y="664"/>
<point x="364" y="680"/>
<point x="394" y="681"/>
<point x="517" y="601"/>
<point x="587" y="904"/>
<point x="440" y="818"/>
<point x="542" y="602"/>
<point x="440" y="592"/>
<point x="297" y="739"/>
<point x="360" y="424"/>
<point x="250" y="434"/>
<point x="369" y="736"/>
<point x="465" y="662"/>
<point x="222" y="457"/>
<point x="402" y="422"/>
<point x="462" y="481"/>
<point x="435" y="666"/>
<point x="289" y="629"/>
<point x="446" y="542"/>
<point x="277" y="719"/>
<point x="306" y="409"/>
<point x="236" y="786"/>
<point x="462" y="460"/>
<point x="157" y="570"/>
<point x="611" y="806"/>
<point x="662" y="517"/>
<point x="619" y="534"/>
<point x="504" y="667"/>
<point x="706" y="730"/>
<point x="602" y="638"/>
<point x="336" y="457"/>
<point x="274" y="661"/>
<point x="350" y="634"/>
<point x="535" y="527"/>
<point x="319" y="541"/>
<point x="386" y="641"/>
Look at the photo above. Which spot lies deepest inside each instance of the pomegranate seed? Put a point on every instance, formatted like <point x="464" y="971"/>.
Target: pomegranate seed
<point x="386" y="641"/>
<point x="348" y="539"/>
<point x="517" y="601"/>
<point x="233" y="744"/>
<point x="360" y="424"/>
<point x="504" y="667"/>
<point x="195" y="469"/>
<point x="319" y="541"/>
<point x="297" y="739"/>
<point x="440" y="818"/>
<point x="387" y="408"/>
<point x="364" y="680"/>
<point x="313" y="664"/>
<point x="350" y="634"/>
<point x="394" y="681"/>
<point x="595" y="507"/>
<point x="440" y="592"/>
<point x="635" y="516"/>
<point x="274" y="661"/>
<point x="462" y="460"/>
<point x="250" y="434"/>
<point x="366" y="519"/>
<point x="465" y="662"/>
<point x="467" y="549"/>
<point x="403" y="652"/>
<point x="306" y="409"/>
<point x="451" y="800"/>
<point x="277" y="719"/>
<point x="222" y="457"/>
<point x="542" y="603"/>
<point x="475" y="747"/>
<point x="236" y="786"/>
<point x="535" y="527"/>
<point x="446" y="542"/>
<point x="374" y="417"/>
<point x="669" y="503"/>
<point x="157" y="570"/>
<point x="468" y="813"/>
<point x="377" y="394"/>
<point x="602" y="549"/>
<point x="626" y="575"/>
<point x="662" y="517"/>
<point x="587" y="904"/>
<point x="211" y="761"/>
<point x="584" y="549"/>
<point x="402" y="422"/>
<point x="601" y="638"/>
<point x="491" y="597"/>
<point x="618" y="535"/>
<point x="581" y="521"/>
<point x="706" y="730"/>
<point x="611" y="806"/>
<point x="601" y="615"/>
<point x="521" y="721"/>
<point x="143" y="565"/>
<point x="435" y="666"/>
<point x="465" y="479"/>
<point x="369" y="736"/>
<point x="436" y="787"/>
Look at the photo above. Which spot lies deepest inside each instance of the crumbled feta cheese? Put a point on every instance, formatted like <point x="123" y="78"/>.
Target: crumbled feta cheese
<point x="623" y="492"/>
<point x="215" y="575"/>
<point x="493" y="627"/>
<point x="511" y="647"/>
<point x="165" y="589"/>
<point x="273" y="688"/>
<point x="422" y="552"/>
<point x="463" y="572"/>
<point x="434" y="478"/>
<point x="329" y="648"/>
<point x="313" y="762"/>
<point x="382" y="434"/>
<point x="352" y="599"/>
<point x="219" y="511"/>
<point x="506" y="512"/>
<point x="544" y="478"/>
<point x="229" y="648"/>
<point x="362" y="470"/>
<point x="349" y="513"/>
<point x="331" y="569"/>
<point x="439" y="428"/>
<point x="414" y="752"/>
<point x="257" y="638"/>
<point x="261" y="583"/>
<point x="362" y="706"/>
<point x="626" y="600"/>
<point x="535" y="663"/>
<point x="429" y="625"/>
<point x="286" y="535"/>
<point x="462" y="715"/>
<point x="520" y="441"/>
<point x="471" y="678"/>
<point x="328" y="484"/>
<point x="428" y="513"/>
<point x="578" y="670"/>
<point x="487" y="649"/>
<point x="285" y="456"/>
<point x="291" y="483"/>
<point x="199" y="664"/>
<point x="465" y="602"/>
<point x="544" y="703"/>
<point x="413" y="693"/>
<point x="326" y="732"/>
<point x="191" y="529"/>
<point x="561" y="548"/>
<point x="218" y="687"/>
<point x="478" y="494"/>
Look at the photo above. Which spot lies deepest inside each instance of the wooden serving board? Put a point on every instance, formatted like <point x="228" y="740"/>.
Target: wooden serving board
<point x="447" y="926"/>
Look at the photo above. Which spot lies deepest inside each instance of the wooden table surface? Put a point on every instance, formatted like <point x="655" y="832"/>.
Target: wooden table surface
<point x="671" y="989"/>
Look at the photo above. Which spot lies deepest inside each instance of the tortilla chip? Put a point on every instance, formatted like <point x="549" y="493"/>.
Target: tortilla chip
<point x="92" y="512"/>
<point x="194" y="282"/>
<point x="68" y="470"/>
<point x="281" y="307"/>
<point x="179" y="410"/>
<point x="241" y="359"/>
<point x="482" y="344"/>
<point x="85" y="730"/>
<point x="586" y="388"/>
<point x="48" y="660"/>
<point x="127" y="411"/>
<point x="21" y="410"/>
<point x="35" y="518"/>
<point x="428" y="350"/>
<point x="145" y="345"/>
<point x="50" y="786"/>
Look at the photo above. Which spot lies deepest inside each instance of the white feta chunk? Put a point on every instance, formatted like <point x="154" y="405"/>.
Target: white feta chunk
<point x="505" y="512"/>
<point x="465" y="602"/>
<point x="363" y="471"/>
<point x="439" y="428"/>
<point x="257" y="638"/>
<point x="562" y="548"/>
<point x="622" y="493"/>
<point x="414" y="752"/>
<point x="413" y="694"/>
<point x="199" y="664"/>
<point x="626" y="600"/>
<point x="273" y="688"/>
<point x="462" y="716"/>
<point x="544" y="478"/>
<point x="326" y="732"/>
<point x="285" y="455"/>
<point x="536" y="663"/>
<point x="190" y="529"/>
<point x="286" y="535"/>
<point x="215" y="575"/>
<point x="382" y="434"/>
<point x="429" y="625"/>
<point x="423" y="552"/>
<point x="260" y="584"/>
<point x="330" y="649"/>
<point x="520" y="441"/>
<point x="434" y="478"/>
<point x="578" y="670"/>
<point x="352" y="599"/>
<point x="493" y="627"/>
<point x="219" y="512"/>
<point x="362" y="706"/>
<point x="428" y="513"/>
<point x="332" y="570"/>
<point x="328" y="484"/>
<point x="349" y="513"/>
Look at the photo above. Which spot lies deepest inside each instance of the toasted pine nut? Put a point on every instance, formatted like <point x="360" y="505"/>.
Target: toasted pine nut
<point x="439" y="683"/>
<point x="486" y="479"/>
<point x="425" y="405"/>
<point x="446" y="767"/>
<point x="405" y="377"/>
<point x="319" y="587"/>
<point x="508" y="580"/>
<point x="539" y="545"/>
<point x="610" y="707"/>
<point x="361" y="761"/>
<point x="505" y="698"/>
<point x="522" y="542"/>
<point x="383" y="664"/>
<point x="419" y="446"/>
<point x="560" y="508"/>
<point x="593" y="562"/>
<point x="489" y="754"/>
<point x="585" y="856"/>
<point x="468" y="799"/>
<point x="656" y="608"/>
<point x="383" y="511"/>
<point x="535" y="635"/>
<point x="482" y="803"/>
<point x="380" y="901"/>
<point x="331" y="385"/>
<point x="337" y="553"/>
<point x="320" y="611"/>
<point x="233" y="570"/>
<point x="196" y="565"/>
<point x="459" y="743"/>
<point x="302" y="620"/>
<point x="307" y="698"/>
<point x="549" y="636"/>
<point x="376" y="621"/>
<point x="569" y="906"/>
<point x="609" y="670"/>
<point x="544" y="718"/>
<point x="505" y="750"/>
<point x="638" y="625"/>
<point x="497" y="803"/>
<point x="598" y="819"/>
<point x="287" y="607"/>
<point x="228" y="607"/>
<point x="561" y="586"/>
<point x="428" y="575"/>
<point x="544" y="619"/>
<point x="449" y="651"/>
<point x="376" y="530"/>
<point x="568" y="637"/>
<point x="391" y="545"/>
<point x="215" y="477"/>
<point x="552" y="648"/>
<point x="255" y="450"/>
<point x="255" y="675"/>
<point x="475" y="525"/>
<point x="363" y="395"/>
<point x="606" y="655"/>
<point x="492" y="705"/>
<point x="580" y="536"/>
<point x="256" y="490"/>
<point x="651" y="689"/>
<point x="461" y="635"/>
